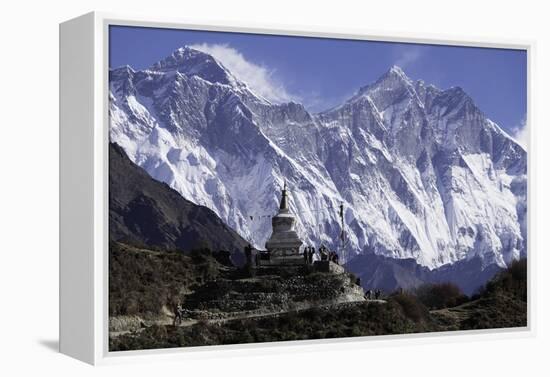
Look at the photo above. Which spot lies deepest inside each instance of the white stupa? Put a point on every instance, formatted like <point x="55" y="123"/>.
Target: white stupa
<point x="284" y="244"/>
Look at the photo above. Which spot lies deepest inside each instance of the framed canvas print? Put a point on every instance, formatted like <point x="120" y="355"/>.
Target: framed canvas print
<point x="238" y="187"/>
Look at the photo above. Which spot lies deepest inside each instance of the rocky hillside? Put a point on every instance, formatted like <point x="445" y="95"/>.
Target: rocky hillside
<point x="274" y="293"/>
<point x="239" y="309"/>
<point x="145" y="286"/>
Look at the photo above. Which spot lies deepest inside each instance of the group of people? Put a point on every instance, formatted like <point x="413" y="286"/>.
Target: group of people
<point x="369" y="293"/>
<point x="325" y="254"/>
<point x="309" y="252"/>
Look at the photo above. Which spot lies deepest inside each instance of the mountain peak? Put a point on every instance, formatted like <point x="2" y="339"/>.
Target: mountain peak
<point x="372" y="149"/>
<point x="193" y="62"/>
<point x="395" y="72"/>
<point x="395" y="69"/>
<point x="186" y="52"/>
<point x="394" y="79"/>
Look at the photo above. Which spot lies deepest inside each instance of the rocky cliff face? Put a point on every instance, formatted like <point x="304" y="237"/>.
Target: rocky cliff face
<point x="421" y="171"/>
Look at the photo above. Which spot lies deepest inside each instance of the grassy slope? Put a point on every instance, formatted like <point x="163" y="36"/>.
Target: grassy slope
<point x="501" y="304"/>
<point x="142" y="281"/>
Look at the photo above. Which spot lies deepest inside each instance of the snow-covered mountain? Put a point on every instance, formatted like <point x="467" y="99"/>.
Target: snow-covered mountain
<point x="421" y="171"/>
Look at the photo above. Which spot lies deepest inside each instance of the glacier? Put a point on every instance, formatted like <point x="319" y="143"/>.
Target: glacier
<point x="421" y="171"/>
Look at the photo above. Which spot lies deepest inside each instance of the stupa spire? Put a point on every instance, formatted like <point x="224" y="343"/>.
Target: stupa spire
<point x="284" y="204"/>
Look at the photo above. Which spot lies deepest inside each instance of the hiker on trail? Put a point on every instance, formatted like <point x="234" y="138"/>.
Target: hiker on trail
<point x="377" y="294"/>
<point x="306" y="254"/>
<point x="368" y="295"/>
<point x="178" y="315"/>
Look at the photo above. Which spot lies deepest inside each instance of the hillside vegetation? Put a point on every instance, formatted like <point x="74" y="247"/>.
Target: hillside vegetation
<point x="502" y="303"/>
<point x="347" y="320"/>
<point x="144" y="281"/>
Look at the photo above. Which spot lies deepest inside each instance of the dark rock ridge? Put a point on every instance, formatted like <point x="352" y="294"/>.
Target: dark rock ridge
<point x="143" y="211"/>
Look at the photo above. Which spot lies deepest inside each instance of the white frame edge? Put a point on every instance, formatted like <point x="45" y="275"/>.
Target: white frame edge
<point x="84" y="75"/>
<point x="76" y="179"/>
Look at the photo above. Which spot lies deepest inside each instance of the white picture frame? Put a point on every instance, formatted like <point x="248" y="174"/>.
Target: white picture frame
<point x="84" y="189"/>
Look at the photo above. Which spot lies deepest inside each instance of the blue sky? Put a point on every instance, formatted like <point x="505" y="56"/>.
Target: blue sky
<point x="321" y="72"/>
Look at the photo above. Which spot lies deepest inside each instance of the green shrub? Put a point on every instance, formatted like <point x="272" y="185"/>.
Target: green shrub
<point x="442" y="295"/>
<point x="411" y="306"/>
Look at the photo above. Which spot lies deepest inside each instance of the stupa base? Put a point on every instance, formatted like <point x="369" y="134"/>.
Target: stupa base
<point x="283" y="260"/>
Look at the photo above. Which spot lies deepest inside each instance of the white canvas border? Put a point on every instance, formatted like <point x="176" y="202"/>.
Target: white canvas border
<point x="101" y="69"/>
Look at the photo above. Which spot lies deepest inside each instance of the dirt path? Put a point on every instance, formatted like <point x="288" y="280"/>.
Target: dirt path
<point x="451" y="318"/>
<point x="190" y="321"/>
<point x="277" y="313"/>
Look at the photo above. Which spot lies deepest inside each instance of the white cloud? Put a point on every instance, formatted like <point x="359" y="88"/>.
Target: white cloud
<point x="260" y="79"/>
<point x="520" y="134"/>
<point x="407" y="56"/>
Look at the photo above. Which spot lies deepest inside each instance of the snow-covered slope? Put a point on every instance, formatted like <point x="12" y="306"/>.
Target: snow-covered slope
<point x="421" y="171"/>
